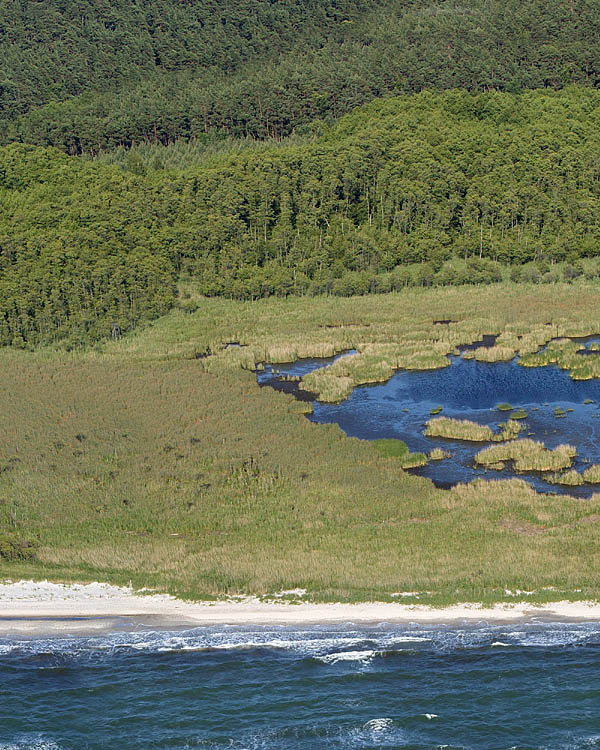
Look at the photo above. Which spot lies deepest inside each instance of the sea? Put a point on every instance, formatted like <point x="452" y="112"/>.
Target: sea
<point x="520" y="686"/>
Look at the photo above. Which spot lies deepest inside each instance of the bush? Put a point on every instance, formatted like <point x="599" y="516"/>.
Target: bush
<point x="15" y="549"/>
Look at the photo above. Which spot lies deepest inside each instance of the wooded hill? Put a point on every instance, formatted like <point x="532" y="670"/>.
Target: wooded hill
<point x="88" y="75"/>
<point x="424" y="189"/>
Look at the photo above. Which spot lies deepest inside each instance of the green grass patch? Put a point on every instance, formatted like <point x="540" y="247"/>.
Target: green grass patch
<point x="519" y="414"/>
<point x="391" y="448"/>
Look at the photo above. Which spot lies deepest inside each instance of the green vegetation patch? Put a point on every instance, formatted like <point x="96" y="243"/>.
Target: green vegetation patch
<point x="504" y="407"/>
<point x="391" y="448"/>
<point x="519" y="414"/>
<point x="15" y="548"/>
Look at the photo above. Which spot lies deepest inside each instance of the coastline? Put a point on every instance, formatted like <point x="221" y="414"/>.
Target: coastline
<point x="34" y="609"/>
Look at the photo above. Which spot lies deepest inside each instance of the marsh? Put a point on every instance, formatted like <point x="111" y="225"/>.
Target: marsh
<point x="558" y="410"/>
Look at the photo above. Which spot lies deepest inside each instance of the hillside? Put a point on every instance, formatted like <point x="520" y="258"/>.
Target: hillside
<point x="90" y="76"/>
<point x="415" y="190"/>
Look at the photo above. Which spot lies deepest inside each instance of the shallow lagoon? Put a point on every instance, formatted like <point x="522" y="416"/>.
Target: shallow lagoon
<point x="468" y="390"/>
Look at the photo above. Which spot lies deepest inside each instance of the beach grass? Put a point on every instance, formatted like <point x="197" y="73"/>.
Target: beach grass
<point x="157" y="459"/>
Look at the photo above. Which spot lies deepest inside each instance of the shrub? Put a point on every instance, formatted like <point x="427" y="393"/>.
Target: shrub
<point x="14" y="549"/>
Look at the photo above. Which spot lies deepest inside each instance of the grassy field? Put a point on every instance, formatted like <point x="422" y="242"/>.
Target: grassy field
<point x="158" y="460"/>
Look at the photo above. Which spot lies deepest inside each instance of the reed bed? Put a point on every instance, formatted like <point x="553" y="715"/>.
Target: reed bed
<point x="528" y="455"/>
<point x="565" y="354"/>
<point x="494" y="354"/>
<point x="592" y="474"/>
<point x="374" y="363"/>
<point x="570" y="478"/>
<point x="458" y="429"/>
<point x="464" y="429"/>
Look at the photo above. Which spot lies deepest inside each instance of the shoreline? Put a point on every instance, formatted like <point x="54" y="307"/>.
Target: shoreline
<point x="33" y="609"/>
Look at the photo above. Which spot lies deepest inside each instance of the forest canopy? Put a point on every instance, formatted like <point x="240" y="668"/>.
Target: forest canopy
<point x="88" y="76"/>
<point x="434" y="188"/>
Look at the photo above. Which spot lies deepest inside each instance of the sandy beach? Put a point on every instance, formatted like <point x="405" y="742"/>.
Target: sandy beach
<point x="28" y="607"/>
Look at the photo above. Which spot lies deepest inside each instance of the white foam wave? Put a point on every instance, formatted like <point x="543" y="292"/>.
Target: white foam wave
<point x="362" y="656"/>
<point x="30" y="743"/>
<point x="328" y="644"/>
<point x="379" y="725"/>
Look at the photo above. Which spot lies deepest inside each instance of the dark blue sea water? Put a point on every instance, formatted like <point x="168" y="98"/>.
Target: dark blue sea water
<point x="469" y="390"/>
<point x="481" y="687"/>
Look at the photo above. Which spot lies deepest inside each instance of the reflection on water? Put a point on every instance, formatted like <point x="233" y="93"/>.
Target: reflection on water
<point x="469" y="390"/>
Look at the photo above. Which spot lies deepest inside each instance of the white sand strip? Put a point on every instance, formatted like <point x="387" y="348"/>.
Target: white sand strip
<point x="25" y="605"/>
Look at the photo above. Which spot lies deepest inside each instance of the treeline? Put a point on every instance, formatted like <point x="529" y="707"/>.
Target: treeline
<point x="264" y="69"/>
<point x="428" y="189"/>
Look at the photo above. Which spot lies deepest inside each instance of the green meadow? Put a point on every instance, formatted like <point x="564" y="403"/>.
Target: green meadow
<point x="157" y="459"/>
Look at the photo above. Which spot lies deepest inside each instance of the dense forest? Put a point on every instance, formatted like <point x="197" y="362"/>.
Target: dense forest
<point x="276" y="147"/>
<point x="86" y="76"/>
<point x="425" y="189"/>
